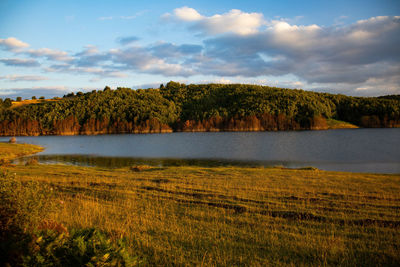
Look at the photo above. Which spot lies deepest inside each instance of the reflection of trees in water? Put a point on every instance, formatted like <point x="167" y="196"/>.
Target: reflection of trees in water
<point x="118" y="162"/>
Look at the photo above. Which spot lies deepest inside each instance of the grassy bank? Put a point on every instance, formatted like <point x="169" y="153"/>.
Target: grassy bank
<point x="335" y="124"/>
<point x="230" y="216"/>
<point x="9" y="151"/>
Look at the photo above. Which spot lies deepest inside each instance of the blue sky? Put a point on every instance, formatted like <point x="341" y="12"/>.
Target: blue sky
<point x="54" y="47"/>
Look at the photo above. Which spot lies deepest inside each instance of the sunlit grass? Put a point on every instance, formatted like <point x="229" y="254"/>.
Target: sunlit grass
<point x="11" y="151"/>
<point x="16" y="104"/>
<point x="336" y="124"/>
<point x="232" y="216"/>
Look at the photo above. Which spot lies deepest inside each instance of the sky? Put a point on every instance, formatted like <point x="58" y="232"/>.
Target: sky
<point x="50" y="48"/>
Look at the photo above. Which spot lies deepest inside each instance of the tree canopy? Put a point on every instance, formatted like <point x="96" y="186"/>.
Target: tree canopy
<point x="172" y="105"/>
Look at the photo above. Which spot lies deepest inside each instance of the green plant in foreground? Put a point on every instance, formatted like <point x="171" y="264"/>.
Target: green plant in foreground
<point x="83" y="247"/>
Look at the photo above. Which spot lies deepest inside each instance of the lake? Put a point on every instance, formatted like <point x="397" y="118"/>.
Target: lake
<point x="354" y="150"/>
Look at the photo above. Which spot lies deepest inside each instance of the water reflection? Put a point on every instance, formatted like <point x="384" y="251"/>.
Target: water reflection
<point x="119" y="162"/>
<point x="355" y="150"/>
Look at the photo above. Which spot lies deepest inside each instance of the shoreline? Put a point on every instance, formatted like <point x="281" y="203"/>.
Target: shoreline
<point x="195" y="131"/>
<point x="188" y="126"/>
<point x="10" y="152"/>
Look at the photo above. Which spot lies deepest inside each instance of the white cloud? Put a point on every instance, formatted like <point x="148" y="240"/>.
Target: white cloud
<point x="28" y="92"/>
<point x="282" y="33"/>
<point x="19" y="47"/>
<point x="223" y="81"/>
<point x="187" y="14"/>
<point x="235" y="21"/>
<point x="50" y="54"/>
<point x="100" y="72"/>
<point x="90" y="56"/>
<point x="89" y="50"/>
<point x="141" y="60"/>
<point x="18" y="78"/>
<point x="13" y="44"/>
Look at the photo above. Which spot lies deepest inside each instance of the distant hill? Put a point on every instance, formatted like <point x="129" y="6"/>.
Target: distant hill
<point x="203" y="107"/>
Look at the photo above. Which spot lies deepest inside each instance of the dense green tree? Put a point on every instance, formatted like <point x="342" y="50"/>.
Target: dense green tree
<point x="194" y="107"/>
<point x="7" y="103"/>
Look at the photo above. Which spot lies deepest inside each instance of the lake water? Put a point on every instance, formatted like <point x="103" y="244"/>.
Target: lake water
<point x="354" y="150"/>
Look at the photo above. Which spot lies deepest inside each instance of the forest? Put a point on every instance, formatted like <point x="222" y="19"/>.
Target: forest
<point x="194" y="107"/>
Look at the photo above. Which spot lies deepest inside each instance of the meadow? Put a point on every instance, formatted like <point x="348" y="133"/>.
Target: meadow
<point x="227" y="216"/>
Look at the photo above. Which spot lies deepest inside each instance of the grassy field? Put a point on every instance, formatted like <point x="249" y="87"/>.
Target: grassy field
<point x="16" y="104"/>
<point x="231" y="216"/>
<point x="9" y="152"/>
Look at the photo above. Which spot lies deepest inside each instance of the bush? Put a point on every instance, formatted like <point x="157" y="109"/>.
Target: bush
<point x="22" y="206"/>
<point x="31" y="162"/>
<point x="83" y="247"/>
<point x="139" y="168"/>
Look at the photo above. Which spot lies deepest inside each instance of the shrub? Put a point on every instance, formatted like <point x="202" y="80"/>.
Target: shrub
<point x="139" y="168"/>
<point x="22" y="207"/>
<point x="83" y="247"/>
<point x="31" y="162"/>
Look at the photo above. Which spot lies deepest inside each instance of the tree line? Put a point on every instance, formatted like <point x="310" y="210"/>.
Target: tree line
<point x="195" y="107"/>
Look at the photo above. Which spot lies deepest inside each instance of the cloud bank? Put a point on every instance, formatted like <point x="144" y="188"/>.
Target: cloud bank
<point x="362" y="58"/>
<point x="19" y="62"/>
<point x="234" y="21"/>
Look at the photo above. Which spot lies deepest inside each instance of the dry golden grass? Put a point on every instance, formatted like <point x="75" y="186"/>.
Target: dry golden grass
<point x="30" y="101"/>
<point x="230" y="216"/>
<point x="335" y="124"/>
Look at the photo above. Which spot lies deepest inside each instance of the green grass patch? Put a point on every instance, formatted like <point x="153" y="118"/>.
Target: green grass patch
<point x="10" y="151"/>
